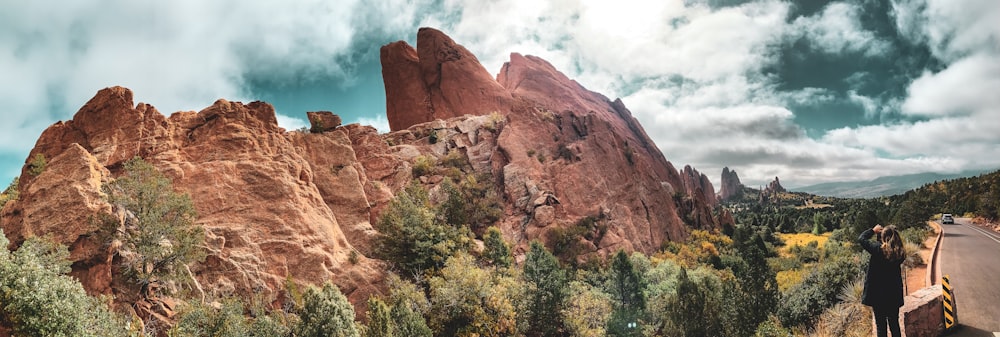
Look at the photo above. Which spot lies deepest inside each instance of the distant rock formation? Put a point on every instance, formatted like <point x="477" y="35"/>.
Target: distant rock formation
<point x="730" y="186"/>
<point x="775" y="186"/>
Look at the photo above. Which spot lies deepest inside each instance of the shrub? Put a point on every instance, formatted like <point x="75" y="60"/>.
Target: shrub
<point x="423" y="165"/>
<point x="10" y="193"/>
<point x="202" y="320"/>
<point x="805" y="301"/>
<point x="916" y="235"/>
<point x="38" y="299"/>
<point x="37" y="164"/>
<point x="806" y="254"/>
<point x="432" y="137"/>
<point x="159" y="235"/>
<point x="326" y="312"/>
<point x="455" y="159"/>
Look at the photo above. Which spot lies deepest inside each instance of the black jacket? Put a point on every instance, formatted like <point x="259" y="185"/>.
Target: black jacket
<point x="883" y="282"/>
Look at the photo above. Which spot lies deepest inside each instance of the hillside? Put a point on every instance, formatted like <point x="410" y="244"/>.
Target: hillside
<point x="882" y="186"/>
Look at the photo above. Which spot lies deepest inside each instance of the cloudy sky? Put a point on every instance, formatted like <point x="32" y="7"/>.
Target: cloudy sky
<point x="811" y="91"/>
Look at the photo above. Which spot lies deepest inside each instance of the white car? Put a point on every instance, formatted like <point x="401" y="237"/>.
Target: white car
<point x="947" y="219"/>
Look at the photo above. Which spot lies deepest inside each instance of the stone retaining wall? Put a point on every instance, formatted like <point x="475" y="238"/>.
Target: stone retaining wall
<point x="923" y="313"/>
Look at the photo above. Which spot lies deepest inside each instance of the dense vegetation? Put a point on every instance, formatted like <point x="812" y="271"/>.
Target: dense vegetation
<point x="789" y="266"/>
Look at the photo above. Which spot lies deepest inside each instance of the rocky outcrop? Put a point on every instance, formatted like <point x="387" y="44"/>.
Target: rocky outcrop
<point x="775" y="187"/>
<point x="439" y="79"/>
<point x="280" y="205"/>
<point x="730" y="186"/>
<point x="268" y="211"/>
<point x="322" y="121"/>
<point x="558" y="139"/>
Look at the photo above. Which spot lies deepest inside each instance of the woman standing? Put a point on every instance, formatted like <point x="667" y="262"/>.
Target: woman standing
<point x="883" y="282"/>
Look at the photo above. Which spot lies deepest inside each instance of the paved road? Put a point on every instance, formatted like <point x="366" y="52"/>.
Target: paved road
<point x="971" y="257"/>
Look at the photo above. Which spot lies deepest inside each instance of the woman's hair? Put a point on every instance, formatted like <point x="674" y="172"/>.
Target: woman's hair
<point x="892" y="244"/>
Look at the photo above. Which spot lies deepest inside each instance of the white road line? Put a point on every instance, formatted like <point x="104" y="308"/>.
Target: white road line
<point x="996" y="334"/>
<point x="984" y="233"/>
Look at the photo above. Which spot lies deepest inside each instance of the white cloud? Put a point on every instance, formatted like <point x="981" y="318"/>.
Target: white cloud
<point x="837" y="29"/>
<point x="380" y="123"/>
<point x="700" y="79"/>
<point x="176" y="55"/>
<point x="291" y="123"/>
<point x="968" y="86"/>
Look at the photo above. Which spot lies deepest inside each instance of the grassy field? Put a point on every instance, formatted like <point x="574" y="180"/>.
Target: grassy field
<point x="801" y="239"/>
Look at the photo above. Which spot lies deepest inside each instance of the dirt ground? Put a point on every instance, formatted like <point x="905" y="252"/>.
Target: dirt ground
<point x="916" y="278"/>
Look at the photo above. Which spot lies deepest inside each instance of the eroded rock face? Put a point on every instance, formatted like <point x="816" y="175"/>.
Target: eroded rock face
<point x="279" y="204"/>
<point x="266" y="198"/>
<point x="439" y="79"/>
<point x="731" y="185"/>
<point x="563" y="140"/>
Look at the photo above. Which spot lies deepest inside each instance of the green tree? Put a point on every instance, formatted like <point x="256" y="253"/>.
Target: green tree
<point x="159" y="235"/>
<point x="757" y="284"/>
<point x="411" y="237"/>
<point x="689" y="307"/>
<point x="326" y="312"/>
<point x="546" y="290"/>
<point x="409" y="305"/>
<point x="586" y="311"/>
<point x="626" y="288"/>
<point x="467" y="300"/>
<point x="38" y="299"/>
<point x="380" y="322"/>
<point x="495" y="251"/>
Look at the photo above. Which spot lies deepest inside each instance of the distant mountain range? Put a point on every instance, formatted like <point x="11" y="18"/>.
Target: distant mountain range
<point x="882" y="186"/>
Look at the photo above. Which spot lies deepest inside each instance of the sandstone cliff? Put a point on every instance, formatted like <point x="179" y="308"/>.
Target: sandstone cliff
<point x="280" y="205"/>
<point x="731" y="185"/>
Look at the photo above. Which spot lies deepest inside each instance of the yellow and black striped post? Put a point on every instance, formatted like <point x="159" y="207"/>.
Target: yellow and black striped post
<point x="950" y="318"/>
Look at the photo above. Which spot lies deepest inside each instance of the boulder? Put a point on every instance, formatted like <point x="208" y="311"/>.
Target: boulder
<point x="322" y="121"/>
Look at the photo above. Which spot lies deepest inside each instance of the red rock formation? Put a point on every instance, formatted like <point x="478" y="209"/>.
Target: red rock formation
<point x="440" y="79"/>
<point x="559" y="139"/>
<point x="277" y="203"/>
<point x="267" y="209"/>
<point x="322" y="121"/>
<point x="731" y="185"/>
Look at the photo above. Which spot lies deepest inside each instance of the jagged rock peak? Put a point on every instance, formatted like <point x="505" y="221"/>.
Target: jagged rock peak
<point x="775" y="186"/>
<point x="731" y="185"/>
<point x="439" y="79"/>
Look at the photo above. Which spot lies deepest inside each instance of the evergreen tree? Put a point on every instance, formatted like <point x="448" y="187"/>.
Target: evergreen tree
<point x="689" y="307"/>
<point x="411" y="236"/>
<point x="627" y="290"/>
<point x="326" y="312"/>
<point x="408" y="307"/>
<point x="380" y="322"/>
<point x="546" y="291"/>
<point x="38" y="299"/>
<point x="155" y="214"/>
<point x="496" y="251"/>
<point x="759" y="288"/>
